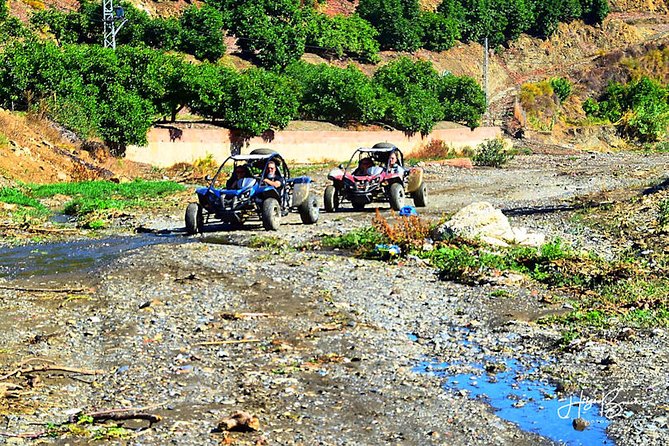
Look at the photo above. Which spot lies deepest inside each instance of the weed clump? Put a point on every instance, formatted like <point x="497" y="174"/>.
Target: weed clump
<point x="492" y="153"/>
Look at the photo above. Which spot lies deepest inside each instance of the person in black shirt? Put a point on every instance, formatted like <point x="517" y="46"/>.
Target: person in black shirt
<point x="272" y="176"/>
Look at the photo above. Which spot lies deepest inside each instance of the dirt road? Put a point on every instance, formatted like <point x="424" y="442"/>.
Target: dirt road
<point x="325" y="348"/>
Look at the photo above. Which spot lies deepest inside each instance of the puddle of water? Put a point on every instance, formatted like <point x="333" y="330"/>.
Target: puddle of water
<point x="80" y="256"/>
<point x="530" y="404"/>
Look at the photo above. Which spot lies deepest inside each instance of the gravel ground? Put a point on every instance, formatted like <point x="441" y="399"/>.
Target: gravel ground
<point x="322" y="347"/>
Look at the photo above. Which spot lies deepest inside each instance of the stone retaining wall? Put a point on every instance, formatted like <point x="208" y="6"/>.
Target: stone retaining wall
<point x="171" y="144"/>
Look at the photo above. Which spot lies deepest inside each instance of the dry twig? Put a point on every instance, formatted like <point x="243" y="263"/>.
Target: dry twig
<point x="43" y="290"/>
<point x="241" y="341"/>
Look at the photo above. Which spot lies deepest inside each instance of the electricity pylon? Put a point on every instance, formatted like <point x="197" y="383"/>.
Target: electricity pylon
<point x="113" y="19"/>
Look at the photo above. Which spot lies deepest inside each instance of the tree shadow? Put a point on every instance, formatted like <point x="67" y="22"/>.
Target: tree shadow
<point x="657" y="188"/>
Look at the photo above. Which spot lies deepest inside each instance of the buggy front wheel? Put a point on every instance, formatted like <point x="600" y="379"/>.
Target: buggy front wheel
<point x="331" y="199"/>
<point x="396" y="196"/>
<point x="420" y="196"/>
<point x="270" y="214"/>
<point x="309" y="210"/>
<point x="194" y="219"/>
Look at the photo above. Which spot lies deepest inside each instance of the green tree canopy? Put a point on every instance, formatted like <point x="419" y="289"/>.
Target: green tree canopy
<point x="335" y="94"/>
<point x="463" y="100"/>
<point x="397" y="22"/>
<point x="201" y="32"/>
<point x="271" y="31"/>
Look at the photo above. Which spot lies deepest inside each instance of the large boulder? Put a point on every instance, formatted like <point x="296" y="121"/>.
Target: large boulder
<point x="481" y="221"/>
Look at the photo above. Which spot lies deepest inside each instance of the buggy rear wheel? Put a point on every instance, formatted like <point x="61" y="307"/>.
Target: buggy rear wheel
<point x="194" y="219"/>
<point x="420" y="196"/>
<point x="331" y="199"/>
<point x="396" y="196"/>
<point x="309" y="210"/>
<point x="271" y="214"/>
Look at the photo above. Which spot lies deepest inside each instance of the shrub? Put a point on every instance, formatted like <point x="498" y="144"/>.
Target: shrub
<point x="435" y="149"/>
<point x="463" y="100"/>
<point x="361" y="240"/>
<point x="561" y="88"/>
<point x="395" y="20"/>
<point x="412" y="100"/>
<point x="438" y="32"/>
<point x="201" y="32"/>
<point x="492" y="153"/>
<point x="339" y="36"/>
<point x="409" y="233"/>
<point x="271" y="31"/>
<point x="640" y="109"/>
<point x="663" y="211"/>
<point x="334" y="94"/>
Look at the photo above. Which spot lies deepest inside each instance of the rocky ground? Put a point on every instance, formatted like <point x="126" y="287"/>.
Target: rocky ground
<point x="323" y="347"/>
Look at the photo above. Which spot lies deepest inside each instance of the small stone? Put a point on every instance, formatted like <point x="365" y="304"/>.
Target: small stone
<point x="580" y="424"/>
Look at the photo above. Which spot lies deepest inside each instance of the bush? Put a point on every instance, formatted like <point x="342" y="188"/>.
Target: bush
<point x="640" y="109"/>
<point x="361" y="240"/>
<point x="411" y="102"/>
<point x="341" y="36"/>
<point x="271" y="31"/>
<point x="395" y="20"/>
<point x="201" y="33"/>
<point x="409" y="233"/>
<point x="334" y="94"/>
<point x="438" y="32"/>
<point x="463" y="100"/>
<point x="663" y="211"/>
<point x="492" y="153"/>
<point x="435" y="149"/>
<point x="561" y="88"/>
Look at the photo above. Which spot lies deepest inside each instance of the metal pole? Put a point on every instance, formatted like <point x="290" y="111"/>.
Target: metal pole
<point x="485" y="76"/>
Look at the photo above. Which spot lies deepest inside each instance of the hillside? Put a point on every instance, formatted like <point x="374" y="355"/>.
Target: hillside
<point x="588" y="56"/>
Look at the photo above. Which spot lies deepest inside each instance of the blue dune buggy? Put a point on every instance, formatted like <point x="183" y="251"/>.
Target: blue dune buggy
<point x="248" y="197"/>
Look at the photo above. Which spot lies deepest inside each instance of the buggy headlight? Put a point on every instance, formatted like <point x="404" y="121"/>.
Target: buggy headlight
<point x="245" y="195"/>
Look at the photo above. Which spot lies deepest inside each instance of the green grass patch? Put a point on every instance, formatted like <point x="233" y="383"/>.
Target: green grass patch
<point x="13" y="195"/>
<point x="91" y="196"/>
<point x="361" y="240"/>
<point x="27" y="208"/>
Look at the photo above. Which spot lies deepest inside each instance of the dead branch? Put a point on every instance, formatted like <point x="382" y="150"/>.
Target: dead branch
<point x="130" y="413"/>
<point x="237" y="316"/>
<point x="241" y="341"/>
<point x="37" y="229"/>
<point x="27" y="435"/>
<point x="50" y="368"/>
<point x="44" y="290"/>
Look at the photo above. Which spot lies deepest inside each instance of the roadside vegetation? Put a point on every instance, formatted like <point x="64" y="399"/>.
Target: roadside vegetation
<point x="57" y="67"/>
<point x="631" y="290"/>
<point x="89" y="201"/>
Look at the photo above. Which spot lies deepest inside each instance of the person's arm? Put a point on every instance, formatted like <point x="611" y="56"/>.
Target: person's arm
<point x="276" y="182"/>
